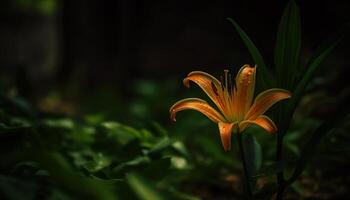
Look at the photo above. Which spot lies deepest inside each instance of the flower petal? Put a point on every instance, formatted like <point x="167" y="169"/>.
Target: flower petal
<point x="198" y="105"/>
<point x="265" y="100"/>
<point x="225" y="134"/>
<point x="245" y="82"/>
<point x="262" y="121"/>
<point x="209" y="84"/>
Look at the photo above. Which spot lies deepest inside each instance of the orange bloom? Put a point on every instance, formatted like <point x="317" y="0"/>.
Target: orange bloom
<point x="234" y="102"/>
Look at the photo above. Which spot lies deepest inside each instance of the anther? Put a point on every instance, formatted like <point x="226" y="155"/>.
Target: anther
<point x="221" y="82"/>
<point x="230" y="83"/>
<point x="226" y="72"/>
<point x="234" y="84"/>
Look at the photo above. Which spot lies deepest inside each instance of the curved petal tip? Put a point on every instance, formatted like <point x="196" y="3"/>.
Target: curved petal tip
<point x="225" y="134"/>
<point x="186" y="82"/>
<point x="198" y="105"/>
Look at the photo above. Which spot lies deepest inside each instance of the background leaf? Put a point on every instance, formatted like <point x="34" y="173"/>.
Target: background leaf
<point x="321" y="53"/>
<point x="288" y="43"/>
<point x="263" y="75"/>
<point x="60" y="171"/>
<point x="325" y="128"/>
<point x="142" y="188"/>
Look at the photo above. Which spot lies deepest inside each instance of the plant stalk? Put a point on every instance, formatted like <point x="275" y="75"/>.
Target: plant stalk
<point x="280" y="175"/>
<point x="244" y="163"/>
<point x="280" y="191"/>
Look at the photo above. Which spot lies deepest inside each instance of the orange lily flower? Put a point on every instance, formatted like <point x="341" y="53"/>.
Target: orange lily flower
<point x="234" y="102"/>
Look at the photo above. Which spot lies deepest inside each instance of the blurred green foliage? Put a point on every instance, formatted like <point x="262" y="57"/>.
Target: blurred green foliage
<point x="55" y="156"/>
<point x="46" y="7"/>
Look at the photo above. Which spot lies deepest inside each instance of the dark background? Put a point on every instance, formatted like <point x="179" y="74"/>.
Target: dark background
<point x="124" y="56"/>
<point x="78" y="47"/>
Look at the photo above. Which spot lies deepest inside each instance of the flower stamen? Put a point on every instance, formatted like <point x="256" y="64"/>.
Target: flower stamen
<point x="226" y="72"/>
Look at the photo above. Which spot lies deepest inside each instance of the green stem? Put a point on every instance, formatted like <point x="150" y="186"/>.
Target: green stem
<point x="280" y="191"/>
<point x="280" y="175"/>
<point x="244" y="162"/>
<point x="283" y="127"/>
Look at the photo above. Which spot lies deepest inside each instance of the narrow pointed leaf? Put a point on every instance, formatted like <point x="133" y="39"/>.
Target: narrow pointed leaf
<point x="288" y="45"/>
<point x="142" y="188"/>
<point x="61" y="172"/>
<point x="311" y="69"/>
<point x="323" y="51"/>
<point x="264" y="76"/>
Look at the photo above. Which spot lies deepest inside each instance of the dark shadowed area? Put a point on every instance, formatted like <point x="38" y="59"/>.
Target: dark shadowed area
<point x="86" y="87"/>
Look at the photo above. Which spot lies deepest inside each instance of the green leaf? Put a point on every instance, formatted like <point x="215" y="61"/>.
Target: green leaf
<point x="138" y="161"/>
<point x="122" y="133"/>
<point x="263" y="75"/>
<point x="143" y="189"/>
<point x="180" y="147"/>
<point x="61" y="172"/>
<point x="288" y="43"/>
<point x="17" y="105"/>
<point x="253" y="154"/>
<point x="321" y="53"/>
<point x="298" y="188"/>
<point x="63" y="123"/>
<point x="311" y="69"/>
<point x="99" y="162"/>
<point x="161" y="145"/>
<point x="178" y="162"/>
<point x="163" y="132"/>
